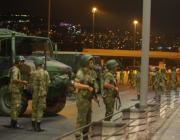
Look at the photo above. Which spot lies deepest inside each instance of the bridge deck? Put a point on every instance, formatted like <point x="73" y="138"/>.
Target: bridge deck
<point x="131" y="53"/>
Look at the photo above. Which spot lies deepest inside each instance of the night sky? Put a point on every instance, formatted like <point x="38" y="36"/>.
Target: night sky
<point x="112" y="13"/>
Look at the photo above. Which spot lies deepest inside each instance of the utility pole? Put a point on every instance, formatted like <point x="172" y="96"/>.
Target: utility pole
<point x="49" y="17"/>
<point x="145" y="52"/>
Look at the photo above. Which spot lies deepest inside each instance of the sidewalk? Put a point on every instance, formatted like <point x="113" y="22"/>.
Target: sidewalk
<point x="170" y="130"/>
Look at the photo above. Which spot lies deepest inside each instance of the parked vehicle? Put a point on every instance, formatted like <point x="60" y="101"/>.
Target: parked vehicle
<point x="14" y="43"/>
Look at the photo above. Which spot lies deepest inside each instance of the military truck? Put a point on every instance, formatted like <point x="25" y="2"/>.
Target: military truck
<point x="14" y="43"/>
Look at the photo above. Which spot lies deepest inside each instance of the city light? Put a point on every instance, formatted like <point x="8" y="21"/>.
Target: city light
<point x="135" y="22"/>
<point x="94" y="10"/>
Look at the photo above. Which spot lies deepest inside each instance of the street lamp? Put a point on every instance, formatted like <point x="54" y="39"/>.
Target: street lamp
<point x="135" y="22"/>
<point x="94" y="10"/>
<point x="49" y="17"/>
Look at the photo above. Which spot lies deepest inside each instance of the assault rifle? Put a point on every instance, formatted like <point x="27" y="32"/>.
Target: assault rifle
<point x="117" y="100"/>
<point x="94" y="94"/>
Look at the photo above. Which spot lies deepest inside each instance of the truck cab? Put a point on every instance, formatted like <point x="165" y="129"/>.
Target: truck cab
<point x="14" y="43"/>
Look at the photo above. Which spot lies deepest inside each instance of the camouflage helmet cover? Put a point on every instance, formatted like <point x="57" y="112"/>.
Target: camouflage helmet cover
<point x="19" y="58"/>
<point x="174" y="68"/>
<point x="111" y="64"/>
<point x="85" y="59"/>
<point x="38" y="61"/>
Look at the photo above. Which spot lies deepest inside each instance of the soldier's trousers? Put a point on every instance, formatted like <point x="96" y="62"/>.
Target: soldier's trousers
<point x="38" y="107"/>
<point x="15" y="104"/>
<point x="158" y="93"/>
<point x="173" y="85"/>
<point x="109" y="104"/>
<point x="138" y="89"/>
<point x="83" y="115"/>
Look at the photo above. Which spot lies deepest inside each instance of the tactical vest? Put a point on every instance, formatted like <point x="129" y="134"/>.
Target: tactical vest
<point x="40" y="81"/>
<point x="108" y="92"/>
<point x="14" y="87"/>
<point x="87" y="80"/>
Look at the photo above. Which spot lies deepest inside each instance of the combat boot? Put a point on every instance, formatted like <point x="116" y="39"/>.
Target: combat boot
<point x="77" y="136"/>
<point x="34" y="128"/>
<point x="138" y="97"/>
<point x="12" y="123"/>
<point x="38" y="128"/>
<point x="16" y="125"/>
<point x="85" y="133"/>
<point x="85" y="137"/>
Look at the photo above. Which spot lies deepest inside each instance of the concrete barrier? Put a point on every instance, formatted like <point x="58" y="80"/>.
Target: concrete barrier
<point x="137" y="123"/>
<point x="108" y="130"/>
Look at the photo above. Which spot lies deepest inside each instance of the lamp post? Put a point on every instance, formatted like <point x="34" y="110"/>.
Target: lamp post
<point x="94" y="10"/>
<point x="49" y="17"/>
<point x="135" y="22"/>
<point x="145" y="52"/>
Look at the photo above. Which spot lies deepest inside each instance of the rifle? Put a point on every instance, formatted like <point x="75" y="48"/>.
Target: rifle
<point x="117" y="101"/>
<point x="94" y="94"/>
<point x="117" y="98"/>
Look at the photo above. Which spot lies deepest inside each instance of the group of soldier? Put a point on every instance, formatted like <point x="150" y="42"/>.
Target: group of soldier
<point x="162" y="83"/>
<point x="160" y="80"/>
<point x="85" y="85"/>
<point x="38" y="83"/>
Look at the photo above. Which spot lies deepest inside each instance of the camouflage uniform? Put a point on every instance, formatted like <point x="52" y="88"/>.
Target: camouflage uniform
<point x="159" y="84"/>
<point x="122" y="77"/>
<point x="84" y="76"/>
<point x="137" y="79"/>
<point x="131" y="78"/>
<point x="173" y="79"/>
<point x="39" y="82"/>
<point x="15" y="88"/>
<point x="93" y="75"/>
<point x="109" y="93"/>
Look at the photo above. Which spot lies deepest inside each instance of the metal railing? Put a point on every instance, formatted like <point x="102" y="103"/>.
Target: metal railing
<point x="164" y="109"/>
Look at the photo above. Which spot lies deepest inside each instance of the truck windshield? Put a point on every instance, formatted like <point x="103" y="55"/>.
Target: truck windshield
<point x="26" y="46"/>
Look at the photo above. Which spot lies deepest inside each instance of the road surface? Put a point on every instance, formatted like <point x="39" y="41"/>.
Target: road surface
<point x="59" y="124"/>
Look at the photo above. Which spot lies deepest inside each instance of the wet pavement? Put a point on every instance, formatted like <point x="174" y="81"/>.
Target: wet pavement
<point x="62" y="122"/>
<point x="170" y="129"/>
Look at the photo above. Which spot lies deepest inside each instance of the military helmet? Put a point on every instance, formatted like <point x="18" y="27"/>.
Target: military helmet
<point x="19" y="58"/>
<point x="85" y="59"/>
<point x="111" y="64"/>
<point x="38" y="61"/>
<point x="174" y="68"/>
<point x="156" y="68"/>
<point x="163" y="70"/>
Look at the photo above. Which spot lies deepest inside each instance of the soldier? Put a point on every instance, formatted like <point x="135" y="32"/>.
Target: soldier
<point x="84" y="88"/>
<point x="39" y="82"/>
<point x="16" y="87"/>
<point x="122" y="77"/>
<point x="159" y="84"/>
<point x="110" y="88"/>
<point x="152" y="75"/>
<point x="137" y="82"/>
<point x="130" y="78"/>
<point x="173" y="79"/>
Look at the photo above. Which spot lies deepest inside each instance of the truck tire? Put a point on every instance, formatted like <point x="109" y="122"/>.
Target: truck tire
<point x="56" y="105"/>
<point x="24" y="104"/>
<point x="5" y="102"/>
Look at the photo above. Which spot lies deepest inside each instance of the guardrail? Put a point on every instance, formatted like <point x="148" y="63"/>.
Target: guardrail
<point x="133" y="123"/>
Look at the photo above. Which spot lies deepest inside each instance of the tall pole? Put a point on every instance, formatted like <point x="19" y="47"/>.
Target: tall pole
<point x="145" y="52"/>
<point x="49" y="17"/>
<point x="93" y="28"/>
<point x="135" y="22"/>
<point x="94" y="10"/>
